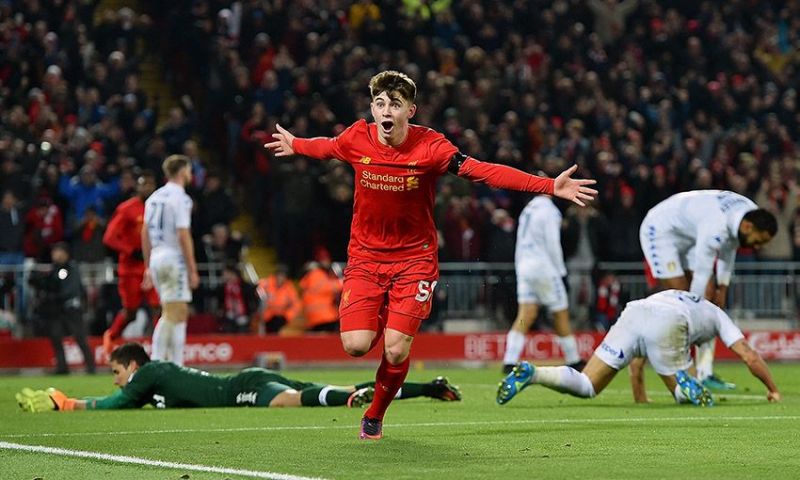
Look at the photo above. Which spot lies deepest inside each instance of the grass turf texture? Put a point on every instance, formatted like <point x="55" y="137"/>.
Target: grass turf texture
<point x="539" y="434"/>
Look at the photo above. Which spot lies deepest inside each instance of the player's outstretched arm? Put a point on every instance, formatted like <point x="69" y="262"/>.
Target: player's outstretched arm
<point x="503" y="176"/>
<point x="36" y="401"/>
<point x="573" y="189"/>
<point x="321" y="148"/>
<point x="282" y="146"/>
<point x="758" y="367"/>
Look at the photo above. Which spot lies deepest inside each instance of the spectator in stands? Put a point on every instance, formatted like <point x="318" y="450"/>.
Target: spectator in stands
<point x="87" y="241"/>
<point x="623" y="225"/>
<point x="199" y="171"/>
<point x="294" y="211"/>
<point x="12" y="228"/>
<point x="462" y="229"/>
<point x="608" y="301"/>
<point x="178" y="128"/>
<point x="321" y="288"/>
<point x="501" y="237"/>
<point x="281" y="305"/>
<point x="215" y="205"/>
<point x="85" y="191"/>
<point x="237" y="300"/>
<point x="44" y="227"/>
<point x="779" y="199"/>
<point x="222" y="245"/>
<point x="610" y="16"/>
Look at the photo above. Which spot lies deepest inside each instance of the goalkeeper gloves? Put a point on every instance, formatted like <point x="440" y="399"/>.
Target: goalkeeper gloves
<point x="35" y="401"/>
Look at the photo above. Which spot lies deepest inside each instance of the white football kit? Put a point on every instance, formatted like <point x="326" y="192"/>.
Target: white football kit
<point x="538" y="259"/>
<point x="165" y="211"/>
<point x="662" y="327"/>
<point x="692" y="230"/>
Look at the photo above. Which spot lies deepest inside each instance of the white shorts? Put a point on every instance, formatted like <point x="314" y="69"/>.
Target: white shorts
<point x="170" y="277"/>
<point x="548" y="291"/>
<point x="643" y="331"/>
<point x="663" y="257"/>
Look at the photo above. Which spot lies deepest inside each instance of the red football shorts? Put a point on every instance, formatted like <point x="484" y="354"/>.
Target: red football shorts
<point x="131" y="293"/>
<point x="402" y="291"/>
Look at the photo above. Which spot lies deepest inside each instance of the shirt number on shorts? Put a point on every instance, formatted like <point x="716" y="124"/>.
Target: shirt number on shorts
<point x="424" y="290"/>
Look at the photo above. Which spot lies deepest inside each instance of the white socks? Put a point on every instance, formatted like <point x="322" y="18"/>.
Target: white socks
<point x="169" y="339"/>
<point x="704" y="360"/>
<point x="679" y="396"/>
<point x="162" y="340"/>
<point x="569" y="346"/>
<point x="565" y="380"/>
<point x="178" y="342"/>
<point x="515" y="342"/>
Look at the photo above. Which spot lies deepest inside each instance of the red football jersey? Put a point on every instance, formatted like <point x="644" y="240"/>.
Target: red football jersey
<point x="124" y="235"/>
<point x="395" y="187"/>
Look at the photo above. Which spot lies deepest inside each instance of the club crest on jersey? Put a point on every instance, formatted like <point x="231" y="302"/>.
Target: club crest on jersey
<point x="671" y="266"/>
<point x="346" y="298"/>
<point x="365" y="160"/>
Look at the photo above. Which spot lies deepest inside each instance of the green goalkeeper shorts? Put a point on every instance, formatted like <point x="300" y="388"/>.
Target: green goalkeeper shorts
<point x="258" y="386"/>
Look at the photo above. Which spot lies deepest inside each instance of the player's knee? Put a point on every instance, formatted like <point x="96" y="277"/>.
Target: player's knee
<point x="396" y="354"/>
<point x="355" y="347"/>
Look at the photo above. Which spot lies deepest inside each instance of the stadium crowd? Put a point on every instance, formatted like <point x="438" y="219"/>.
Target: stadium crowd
<point x="648" y="99"/>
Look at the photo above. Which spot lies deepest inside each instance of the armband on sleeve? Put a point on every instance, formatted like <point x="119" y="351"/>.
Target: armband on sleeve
<point x="456" y="161"/>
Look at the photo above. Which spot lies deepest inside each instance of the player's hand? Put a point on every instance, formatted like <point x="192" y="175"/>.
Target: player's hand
<point x="774" y="397"/>
<point x="573" y="189"/>
<point x="282" y="146"/>
<point x="194" y="279"/>
<point x="34" y="401"/>
<point x="147" y="280"/>
<point x="61" y="401"/>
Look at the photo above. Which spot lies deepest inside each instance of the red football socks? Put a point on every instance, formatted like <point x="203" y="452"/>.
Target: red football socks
<point x="118" y="325"/>
<point x="388" y="381"/>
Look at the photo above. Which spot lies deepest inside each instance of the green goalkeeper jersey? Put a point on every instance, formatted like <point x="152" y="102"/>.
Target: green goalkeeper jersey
<point x="166" y="385"/>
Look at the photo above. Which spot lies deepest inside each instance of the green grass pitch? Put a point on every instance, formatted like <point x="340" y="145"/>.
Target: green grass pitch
<point x="540" y="434"/>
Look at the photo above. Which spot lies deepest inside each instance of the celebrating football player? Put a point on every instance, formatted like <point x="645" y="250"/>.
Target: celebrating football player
<point x="392" y="255"/>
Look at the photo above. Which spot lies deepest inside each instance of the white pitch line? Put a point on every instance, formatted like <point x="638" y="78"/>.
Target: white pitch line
<point x="150" y="463"/>
<point x="422" y="424"/>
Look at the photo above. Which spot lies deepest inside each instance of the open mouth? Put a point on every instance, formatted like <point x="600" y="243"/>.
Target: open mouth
<point x="387" y="125"/>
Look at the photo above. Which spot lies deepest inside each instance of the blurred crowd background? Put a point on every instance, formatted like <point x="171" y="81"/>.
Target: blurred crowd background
<point x="649" y="98"/>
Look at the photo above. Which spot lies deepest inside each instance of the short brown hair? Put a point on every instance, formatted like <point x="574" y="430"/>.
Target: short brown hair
<point x="174" y="163"/>
<point x="128" y="352"/>
<point x="393" y="81"/>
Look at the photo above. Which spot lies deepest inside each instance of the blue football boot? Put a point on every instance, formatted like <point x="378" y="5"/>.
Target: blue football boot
<point x="516" y="381"/>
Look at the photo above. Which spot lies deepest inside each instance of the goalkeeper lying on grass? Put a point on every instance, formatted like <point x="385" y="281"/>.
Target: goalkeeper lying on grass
<point x="164" y="384"/>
